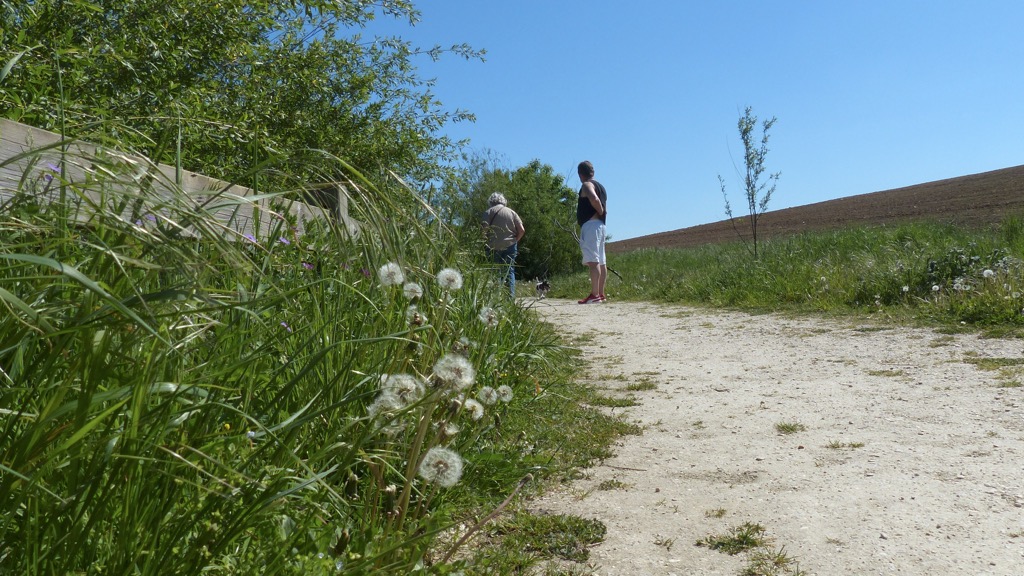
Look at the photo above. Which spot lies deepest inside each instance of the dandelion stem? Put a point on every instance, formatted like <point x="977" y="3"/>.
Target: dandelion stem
<point x="416" y="455"/>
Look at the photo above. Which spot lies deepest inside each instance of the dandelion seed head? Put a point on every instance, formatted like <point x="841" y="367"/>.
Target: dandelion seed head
<point x="414" y="316"/>
<point x="449" y="279"/>
<point x="390" y="274"/>
<point x="463" y="346"/>
<point x="451" y="430"/>
<point x="488" y="396"/>
<point x="412" y="290"/>
<point x="406" y="387"/>
<point x="489" y="316"/>
<point x="441" y="466"/>
<point x="475" y="408"/>
<point x="906" y="289"/>
<point x="988" y="273"/>
<point x="935" y="288"/>
<point x="455" y="370"/>
<point x="505" y="393"/>
<point x="386" y="403"/>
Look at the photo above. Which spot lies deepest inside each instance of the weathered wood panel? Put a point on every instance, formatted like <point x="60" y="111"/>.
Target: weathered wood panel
<point x="95" y="177"/>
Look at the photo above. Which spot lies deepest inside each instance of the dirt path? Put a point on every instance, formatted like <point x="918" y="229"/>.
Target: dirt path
<point x="911" y="460"/>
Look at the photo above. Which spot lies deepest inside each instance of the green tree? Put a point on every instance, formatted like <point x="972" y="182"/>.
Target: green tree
<point x="540" y="197"/>
<point x="757" y="190"/>
<point x="224" y="85"/>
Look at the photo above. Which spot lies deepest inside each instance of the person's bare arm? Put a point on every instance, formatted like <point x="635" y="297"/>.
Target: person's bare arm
<point x="590" y="193"/>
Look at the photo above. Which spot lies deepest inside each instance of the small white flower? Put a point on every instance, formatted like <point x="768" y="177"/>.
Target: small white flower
<point x="906" y="289"/>
<point x="441" y="466"/>
<point x="475" y="409"/>
<point x="488" y="316"/>
<point x="935" y="288"/>
<point x="988" y="273"/>
<point x="390" y="274"/>
<point x="455" y="370"/>
<point x="412" y="291"/>
<point x="505" y="393"/>
<point x="449" y="279"/>
<point x="488" y="396"/>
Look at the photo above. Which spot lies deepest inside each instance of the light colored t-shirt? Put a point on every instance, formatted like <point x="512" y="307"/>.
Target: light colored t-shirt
<point x="501" y="232"/>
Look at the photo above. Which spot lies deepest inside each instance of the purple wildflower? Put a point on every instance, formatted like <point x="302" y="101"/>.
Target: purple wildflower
<point x="286" y="326"/>
<point x="283" y="240"/>
<point x="307" y="265"/>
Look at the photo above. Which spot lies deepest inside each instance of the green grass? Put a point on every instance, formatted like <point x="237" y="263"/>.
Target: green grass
<point x="745" y="537"/>
<point x="789" y="427"/>
<point x="922" y="273"/>
<point x="222" y="405"/>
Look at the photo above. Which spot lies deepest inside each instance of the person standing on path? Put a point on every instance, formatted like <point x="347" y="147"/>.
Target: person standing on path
<point x="503" y="229"/>
<point x="591" y="214"/>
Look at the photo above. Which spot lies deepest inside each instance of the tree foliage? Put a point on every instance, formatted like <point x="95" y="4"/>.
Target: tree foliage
<point x="757" y="190"/>
<point x="540" y="197"/>
<point x="224" y="85"/>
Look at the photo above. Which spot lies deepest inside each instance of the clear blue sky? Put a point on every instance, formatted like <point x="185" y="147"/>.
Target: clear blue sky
<point x="868" y="95"/>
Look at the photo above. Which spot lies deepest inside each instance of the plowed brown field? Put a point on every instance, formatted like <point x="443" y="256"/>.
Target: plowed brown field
<point x="975" y="200"/>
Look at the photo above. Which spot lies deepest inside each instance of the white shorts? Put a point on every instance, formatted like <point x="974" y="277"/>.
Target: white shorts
<point x="592" y="242"/>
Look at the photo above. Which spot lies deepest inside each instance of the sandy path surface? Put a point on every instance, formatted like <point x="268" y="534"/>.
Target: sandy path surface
<point x="912" y="460"/>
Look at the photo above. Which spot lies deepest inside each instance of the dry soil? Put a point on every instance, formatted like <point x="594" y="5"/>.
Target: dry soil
<point x="908" y="458"/>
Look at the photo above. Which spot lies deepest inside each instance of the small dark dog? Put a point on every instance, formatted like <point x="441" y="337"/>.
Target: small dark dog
<point x="542" y="288"/>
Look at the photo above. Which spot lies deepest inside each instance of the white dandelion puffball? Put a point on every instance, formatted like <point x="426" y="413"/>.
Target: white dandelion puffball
<point x="935" y="288"/>
<point x="385" y="404"/>
<point x="449" y="279"/>
<point x="475" y="409"/>
<point x="505" y="393"/>
<point x="390" y="274"/>
<point x="988" y="273"/>
<point x="455" y="370"/>
<point x="488" y="396"/>
<point x="441" y="466"/>
<point x="489" y="316"/>
<point x="414" y="316"/>
<point x="406" y="387"/>
<point x="412" y="290"/>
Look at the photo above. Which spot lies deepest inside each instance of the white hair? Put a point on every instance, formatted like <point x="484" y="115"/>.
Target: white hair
<point x="497" y="198"/>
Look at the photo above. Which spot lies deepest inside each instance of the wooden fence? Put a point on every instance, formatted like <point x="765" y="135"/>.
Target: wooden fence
<point x="41" y="162"/>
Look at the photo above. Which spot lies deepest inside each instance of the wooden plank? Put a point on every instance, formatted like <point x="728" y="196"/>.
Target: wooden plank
<point x="33" y="159"/>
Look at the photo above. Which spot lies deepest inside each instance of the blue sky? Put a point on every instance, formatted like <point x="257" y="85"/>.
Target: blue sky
<point x="868" y="95"/>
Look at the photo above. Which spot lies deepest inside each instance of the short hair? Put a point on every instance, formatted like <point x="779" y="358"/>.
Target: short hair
<point x="585" y="169"/>
<point x="497" y="198"/>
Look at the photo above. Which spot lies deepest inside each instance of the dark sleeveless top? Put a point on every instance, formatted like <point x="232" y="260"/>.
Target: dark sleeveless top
<point x="584" y="211"/>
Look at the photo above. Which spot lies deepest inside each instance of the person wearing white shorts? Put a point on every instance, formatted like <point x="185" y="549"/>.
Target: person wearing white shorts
<point x="591" y="215"/>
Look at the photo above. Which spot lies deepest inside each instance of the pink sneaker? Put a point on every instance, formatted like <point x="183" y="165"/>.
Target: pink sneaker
<point x="590" y="299"/>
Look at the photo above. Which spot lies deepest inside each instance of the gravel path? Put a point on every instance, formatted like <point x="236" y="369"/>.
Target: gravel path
<point x="910" y="459"/>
